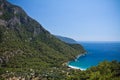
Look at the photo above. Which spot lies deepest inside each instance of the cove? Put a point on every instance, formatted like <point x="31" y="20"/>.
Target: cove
<point x="96" y="53"/>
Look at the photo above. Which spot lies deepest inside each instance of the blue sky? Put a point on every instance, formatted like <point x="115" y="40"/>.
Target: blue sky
<point x="82" y="20"/>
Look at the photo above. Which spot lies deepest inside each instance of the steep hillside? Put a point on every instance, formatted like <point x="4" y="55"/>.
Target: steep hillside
<point x="26" y="45"/>
<point x="67" y="40"/>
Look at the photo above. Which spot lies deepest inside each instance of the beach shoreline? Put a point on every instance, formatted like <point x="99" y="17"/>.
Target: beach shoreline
<point x="74" y="67"/>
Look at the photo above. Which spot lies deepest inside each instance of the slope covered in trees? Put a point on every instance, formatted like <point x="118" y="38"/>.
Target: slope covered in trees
<point x="26" y="45"/>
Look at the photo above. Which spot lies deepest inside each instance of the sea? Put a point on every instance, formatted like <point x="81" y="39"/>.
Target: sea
<point x="96" y="52"/>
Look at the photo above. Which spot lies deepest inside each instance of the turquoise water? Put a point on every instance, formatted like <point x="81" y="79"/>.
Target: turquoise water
<point x="96" y="52"/>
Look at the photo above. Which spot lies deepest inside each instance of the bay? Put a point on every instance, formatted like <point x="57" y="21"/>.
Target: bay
<point x="96" y="53"/>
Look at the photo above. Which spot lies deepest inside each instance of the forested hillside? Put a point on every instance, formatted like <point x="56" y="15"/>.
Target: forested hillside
<point x="26" y="45"/>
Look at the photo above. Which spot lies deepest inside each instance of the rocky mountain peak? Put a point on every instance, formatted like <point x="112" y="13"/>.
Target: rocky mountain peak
<point x="13" y="17"/>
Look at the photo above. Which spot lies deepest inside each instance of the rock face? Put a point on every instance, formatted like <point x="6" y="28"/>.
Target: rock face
<point x="13" y="18"/>
<point x="13" y="15"/>
<point x="24" y="42"/>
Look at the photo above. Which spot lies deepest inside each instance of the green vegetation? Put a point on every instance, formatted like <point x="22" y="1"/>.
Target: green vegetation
<point x="6" y="16"/>
<point x="104" y="71"/>
<point x="25" y="45"/>
<point x="29" y="51"/>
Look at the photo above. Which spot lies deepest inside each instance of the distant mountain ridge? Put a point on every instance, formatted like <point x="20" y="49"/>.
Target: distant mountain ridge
<point x="66" y="39"/>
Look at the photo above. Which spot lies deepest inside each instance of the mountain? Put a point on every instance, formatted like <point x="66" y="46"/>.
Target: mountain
<point x="26" y="47"/>
<point x="67" y="40"/>
<point x="30" y="52"/>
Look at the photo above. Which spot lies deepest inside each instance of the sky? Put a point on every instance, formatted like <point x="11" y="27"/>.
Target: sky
<point x="82" y="20"/>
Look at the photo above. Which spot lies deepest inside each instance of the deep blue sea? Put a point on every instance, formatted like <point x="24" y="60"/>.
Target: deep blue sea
<point x="96" y="52"/>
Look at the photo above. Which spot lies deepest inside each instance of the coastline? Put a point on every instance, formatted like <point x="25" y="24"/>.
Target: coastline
<point x="75" y="67"/>
<point x="80" y="55"/>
